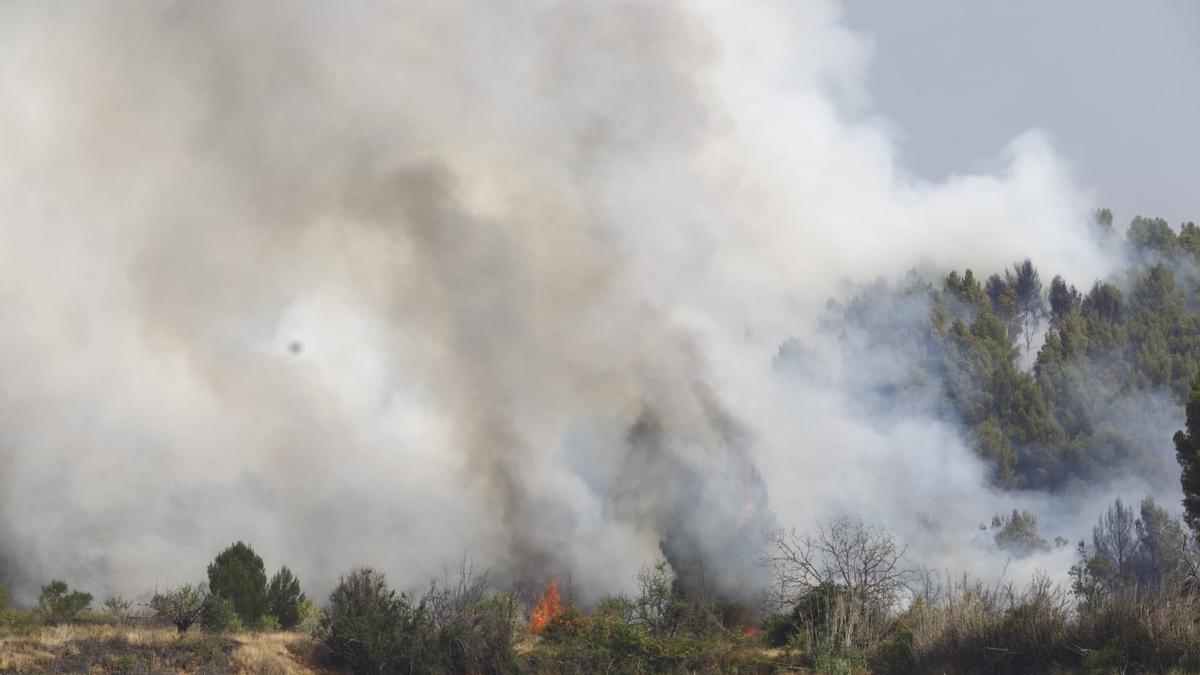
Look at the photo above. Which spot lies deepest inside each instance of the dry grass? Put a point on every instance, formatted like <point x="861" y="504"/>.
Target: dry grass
<point x="145" y="649"/>
<point x="973" y="628"/>
<point x="276" y="653"/>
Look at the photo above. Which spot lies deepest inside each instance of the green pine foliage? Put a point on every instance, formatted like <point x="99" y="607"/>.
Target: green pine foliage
<point x="284" y="598"/>
<point x="1114" y="371"/>
<point x="237" y="574"/>
<point x="1187" y="452"/>
<point x="219" y="615"/>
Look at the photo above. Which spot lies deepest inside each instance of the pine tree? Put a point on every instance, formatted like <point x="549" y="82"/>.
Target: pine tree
<point x="1187" y="451"/>
<point x="237" y="575"/>
<point x="284" y="598"/>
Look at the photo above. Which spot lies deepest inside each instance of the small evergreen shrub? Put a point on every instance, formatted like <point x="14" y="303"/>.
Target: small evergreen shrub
<point x="220" y="615"/>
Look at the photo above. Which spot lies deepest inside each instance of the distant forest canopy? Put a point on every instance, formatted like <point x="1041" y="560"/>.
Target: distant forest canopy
<point x="1102" y="395"/>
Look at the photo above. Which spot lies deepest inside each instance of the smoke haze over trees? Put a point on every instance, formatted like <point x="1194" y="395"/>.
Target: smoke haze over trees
<point x="545" y="281"/>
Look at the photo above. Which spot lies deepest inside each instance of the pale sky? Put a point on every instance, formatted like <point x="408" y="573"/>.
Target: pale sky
<point x="1115" y="84"/>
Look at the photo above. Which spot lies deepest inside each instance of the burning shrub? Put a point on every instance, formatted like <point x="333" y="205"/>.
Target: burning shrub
<point x="607" y="641"/>
<point x="546" y="608"/>
<point x="579" y="642"/>
<point x="565" y="625"/>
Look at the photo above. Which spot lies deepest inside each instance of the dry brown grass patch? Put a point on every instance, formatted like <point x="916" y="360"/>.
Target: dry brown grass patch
<point x="114" y="649"/>
<point x="275" y="653"/>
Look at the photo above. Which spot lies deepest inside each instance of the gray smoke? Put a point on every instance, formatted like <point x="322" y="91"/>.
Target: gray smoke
<point x="384" y="282"/>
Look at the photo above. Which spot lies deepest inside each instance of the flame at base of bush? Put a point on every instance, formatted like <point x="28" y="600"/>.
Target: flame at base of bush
<point x="546" y="608"/>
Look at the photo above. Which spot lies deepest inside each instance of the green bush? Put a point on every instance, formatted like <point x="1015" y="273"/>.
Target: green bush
<point x="220" y="615"/>
<point x="285" y="599"/>
<point x="310" y="616"/>
<point x="267" y="622"/>
<point x="237" y="574"/>
<point x="613" y="640"/>
<point x="58" y="603"/>
<point x="368" y="627"/>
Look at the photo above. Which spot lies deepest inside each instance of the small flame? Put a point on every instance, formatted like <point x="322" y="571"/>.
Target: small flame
<point x="546" y="608"/>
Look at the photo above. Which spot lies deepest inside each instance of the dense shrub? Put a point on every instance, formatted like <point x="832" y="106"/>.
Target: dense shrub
<point x="268" y="622"/>
<point x="368" y="627"/>
<point x="661" y="629"/>
<point x="451" y="628"/>
<point x="237" y="574"/>
<point x="220" y="615"/>
<point x="610" y="641"/>
<point x="58" y="603"/>
<point x="285" y="599"/>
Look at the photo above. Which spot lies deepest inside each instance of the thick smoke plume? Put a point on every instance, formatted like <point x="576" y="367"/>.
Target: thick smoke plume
<point x="384" y="282"/>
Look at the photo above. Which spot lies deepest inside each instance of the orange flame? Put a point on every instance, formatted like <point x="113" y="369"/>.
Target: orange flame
<point x="546" y="608"/>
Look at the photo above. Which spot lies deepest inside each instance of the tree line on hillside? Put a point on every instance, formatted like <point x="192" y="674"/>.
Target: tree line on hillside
<point x="1113" y="371"/>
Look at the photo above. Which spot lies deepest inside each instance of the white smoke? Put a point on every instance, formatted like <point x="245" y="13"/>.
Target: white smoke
<point x="384" y="282"/>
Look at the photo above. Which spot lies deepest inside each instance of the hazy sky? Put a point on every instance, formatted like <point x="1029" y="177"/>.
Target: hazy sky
<point x="1116" y="84"/>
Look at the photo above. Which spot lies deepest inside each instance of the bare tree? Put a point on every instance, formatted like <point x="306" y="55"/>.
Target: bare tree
<point x="1115" y="540"/>
<point x="855" y="570"/>
<point x="181" y="606"/>
<point x="1031" y="307"/>
<point x="665" y="609"/>
<point x="864" y="559"/>
<point x="447" y="600"/>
